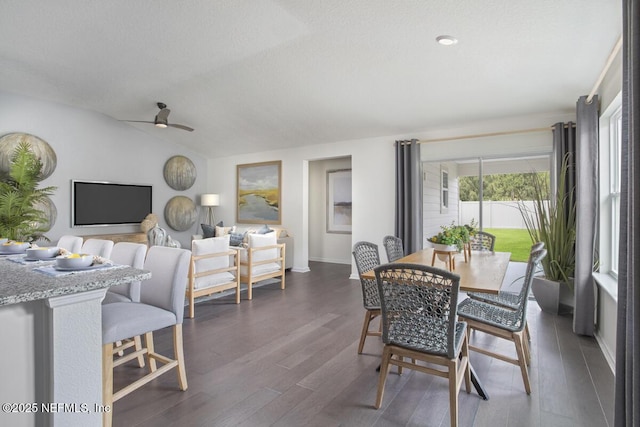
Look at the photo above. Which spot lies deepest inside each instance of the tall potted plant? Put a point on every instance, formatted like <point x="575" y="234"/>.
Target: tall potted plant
<point x="19" y="193"/>
<point x="552" y="220"/>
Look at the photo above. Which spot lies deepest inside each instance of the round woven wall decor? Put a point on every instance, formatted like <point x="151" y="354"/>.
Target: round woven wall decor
<point x="180" y="173"/>
<point x="180" y="213"/>
<point x="50" y="211"/>
<point x="41" y="148"/>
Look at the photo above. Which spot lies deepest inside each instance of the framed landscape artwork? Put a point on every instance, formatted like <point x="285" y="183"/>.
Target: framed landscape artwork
<point x="259" y="188"/>
<point x="339" y="201"/>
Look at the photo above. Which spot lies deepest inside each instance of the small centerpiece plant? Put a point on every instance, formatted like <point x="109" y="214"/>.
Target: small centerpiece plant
<point x="453" y="235"/>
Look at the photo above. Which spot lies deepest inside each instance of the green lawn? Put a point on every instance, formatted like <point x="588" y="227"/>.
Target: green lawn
<point x="514" y="240"/>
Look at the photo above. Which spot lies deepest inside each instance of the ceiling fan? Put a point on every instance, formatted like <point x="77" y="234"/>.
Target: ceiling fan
<point x="161" y="119"/>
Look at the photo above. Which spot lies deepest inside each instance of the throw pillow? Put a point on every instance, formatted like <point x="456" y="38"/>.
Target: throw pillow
<point x="223" y="231"/>
<point x="236" y="239"/>
<point x="264" y="229"/>
<point x="208" y="230"/>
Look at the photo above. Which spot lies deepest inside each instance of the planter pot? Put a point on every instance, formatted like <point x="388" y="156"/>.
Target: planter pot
<point x="444" y="248"/>
<point x="552" y="297"/>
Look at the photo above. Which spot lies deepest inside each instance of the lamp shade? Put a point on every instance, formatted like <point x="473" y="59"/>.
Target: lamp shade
<point x="210" y="200"/>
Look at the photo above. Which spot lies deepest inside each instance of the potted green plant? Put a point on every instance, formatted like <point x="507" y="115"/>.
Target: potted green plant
<point x="553" y="221"/>
<point x="450" y="238"/>
<point x="20" y="220"/>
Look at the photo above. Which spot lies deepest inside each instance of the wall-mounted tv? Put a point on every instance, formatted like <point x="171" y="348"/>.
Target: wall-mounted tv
<point x="95" y="203"/>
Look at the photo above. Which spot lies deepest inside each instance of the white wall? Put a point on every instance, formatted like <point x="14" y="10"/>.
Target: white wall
<point x="93" y="146"/>
<point x="323" y="246"/>
<point x="372" y="165"/>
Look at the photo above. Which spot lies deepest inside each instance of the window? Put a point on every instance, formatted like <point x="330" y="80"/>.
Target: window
<point x="615" y="159"/>
<point x="444" y="190"/>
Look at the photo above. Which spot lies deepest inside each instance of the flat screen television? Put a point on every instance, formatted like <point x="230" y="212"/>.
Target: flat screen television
<point x="96" y="203"/>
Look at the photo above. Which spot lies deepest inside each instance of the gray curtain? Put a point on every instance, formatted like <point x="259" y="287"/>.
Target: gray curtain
<point x="580" y="143"/>
<point x="408" y="225"/>
<point x="586" y="156"/>
<point x="564" y="142"/>
<point x="627" y="389"/>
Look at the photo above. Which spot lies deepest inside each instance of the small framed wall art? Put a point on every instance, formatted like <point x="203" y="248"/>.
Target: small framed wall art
<point x="339" y="201"/>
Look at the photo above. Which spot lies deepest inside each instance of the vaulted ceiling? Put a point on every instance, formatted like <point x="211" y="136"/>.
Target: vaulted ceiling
<point x="255" y="75"/>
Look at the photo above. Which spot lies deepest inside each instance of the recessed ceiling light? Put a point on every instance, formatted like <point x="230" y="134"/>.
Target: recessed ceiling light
<point x="446" y="40"/>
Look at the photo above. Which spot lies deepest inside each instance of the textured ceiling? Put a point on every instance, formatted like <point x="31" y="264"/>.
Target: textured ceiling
<point x="255" y="75"/>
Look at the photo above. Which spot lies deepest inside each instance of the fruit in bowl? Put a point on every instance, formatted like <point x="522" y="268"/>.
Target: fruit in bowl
<point x="43" y="252"/>
<point x="14" y="247"/>
<point x="74" y="260"/>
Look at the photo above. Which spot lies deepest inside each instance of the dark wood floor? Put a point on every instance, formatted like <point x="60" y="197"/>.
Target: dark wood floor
<point x="289" y="358"/>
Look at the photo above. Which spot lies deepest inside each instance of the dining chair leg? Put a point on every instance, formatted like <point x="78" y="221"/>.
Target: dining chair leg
<point x="118" y="344"/>
<point x="526" y="332"/>
<point x="527" y="350"/>
<point x="192" y="305"/>
<point x="148" y="339"/>
<point x="517" y="338"/>
<point x="452" y="366"/>
<point x="107" y="384"/>
<point x="365" y="330"/>
<point x="178" y="353"/>
<point x="384" y="370"/>
<point x="137" y="341"/>
<point x="465" y="359"/>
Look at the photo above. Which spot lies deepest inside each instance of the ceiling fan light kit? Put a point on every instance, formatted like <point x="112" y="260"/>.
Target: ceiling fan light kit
<point x="161" y="119"/>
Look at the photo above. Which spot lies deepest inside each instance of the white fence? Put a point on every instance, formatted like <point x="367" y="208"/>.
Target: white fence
<point x="494" y="214"/>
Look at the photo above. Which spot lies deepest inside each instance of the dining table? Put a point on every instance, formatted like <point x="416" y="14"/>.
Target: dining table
<point x="481" y="271"/>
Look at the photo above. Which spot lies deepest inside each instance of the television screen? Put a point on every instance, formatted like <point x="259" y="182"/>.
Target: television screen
<point x="108" y="203"/>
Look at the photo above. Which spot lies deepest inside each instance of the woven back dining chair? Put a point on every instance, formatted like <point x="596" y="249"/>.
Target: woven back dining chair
<point x="483" y="241"/>
<point x="419" y="324"/>
<point x="393" y="248"/>
<point x="506" y="299"/>
<point x="367" y="257"/>
<point x="504" y="322"/>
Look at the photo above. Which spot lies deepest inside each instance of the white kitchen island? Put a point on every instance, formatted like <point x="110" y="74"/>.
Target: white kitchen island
<point x="51" y="334"/>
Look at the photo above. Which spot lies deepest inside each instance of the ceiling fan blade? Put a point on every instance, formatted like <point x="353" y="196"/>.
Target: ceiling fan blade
<point x="138" y="121"/>
<point x="183" y="127"/>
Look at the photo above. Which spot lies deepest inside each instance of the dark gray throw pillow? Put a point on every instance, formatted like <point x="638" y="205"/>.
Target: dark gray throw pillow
<point x="208" y="230"/>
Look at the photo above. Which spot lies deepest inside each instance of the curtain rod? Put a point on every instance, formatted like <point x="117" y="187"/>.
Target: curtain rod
<point x="482" y="135"/>
<point x="607" y="65"/>
<point x="503" y="133"/>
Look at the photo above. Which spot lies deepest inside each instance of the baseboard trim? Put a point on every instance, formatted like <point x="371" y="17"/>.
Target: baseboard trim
<point x="331" y="260"/>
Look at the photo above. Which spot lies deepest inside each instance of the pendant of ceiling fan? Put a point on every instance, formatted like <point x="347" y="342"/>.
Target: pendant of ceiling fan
<point x="161" y="119"/>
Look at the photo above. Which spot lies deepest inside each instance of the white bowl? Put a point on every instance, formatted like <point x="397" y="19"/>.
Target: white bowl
<point x="14" y="247"/>
<point x="74" y="260"/>
<point x="43" y="252"/>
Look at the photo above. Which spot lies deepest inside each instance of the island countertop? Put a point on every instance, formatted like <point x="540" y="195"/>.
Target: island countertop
<point x="20" y="283"/>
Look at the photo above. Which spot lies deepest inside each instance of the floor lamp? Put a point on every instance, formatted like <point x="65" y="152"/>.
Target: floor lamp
<point x="209" y="201"/>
